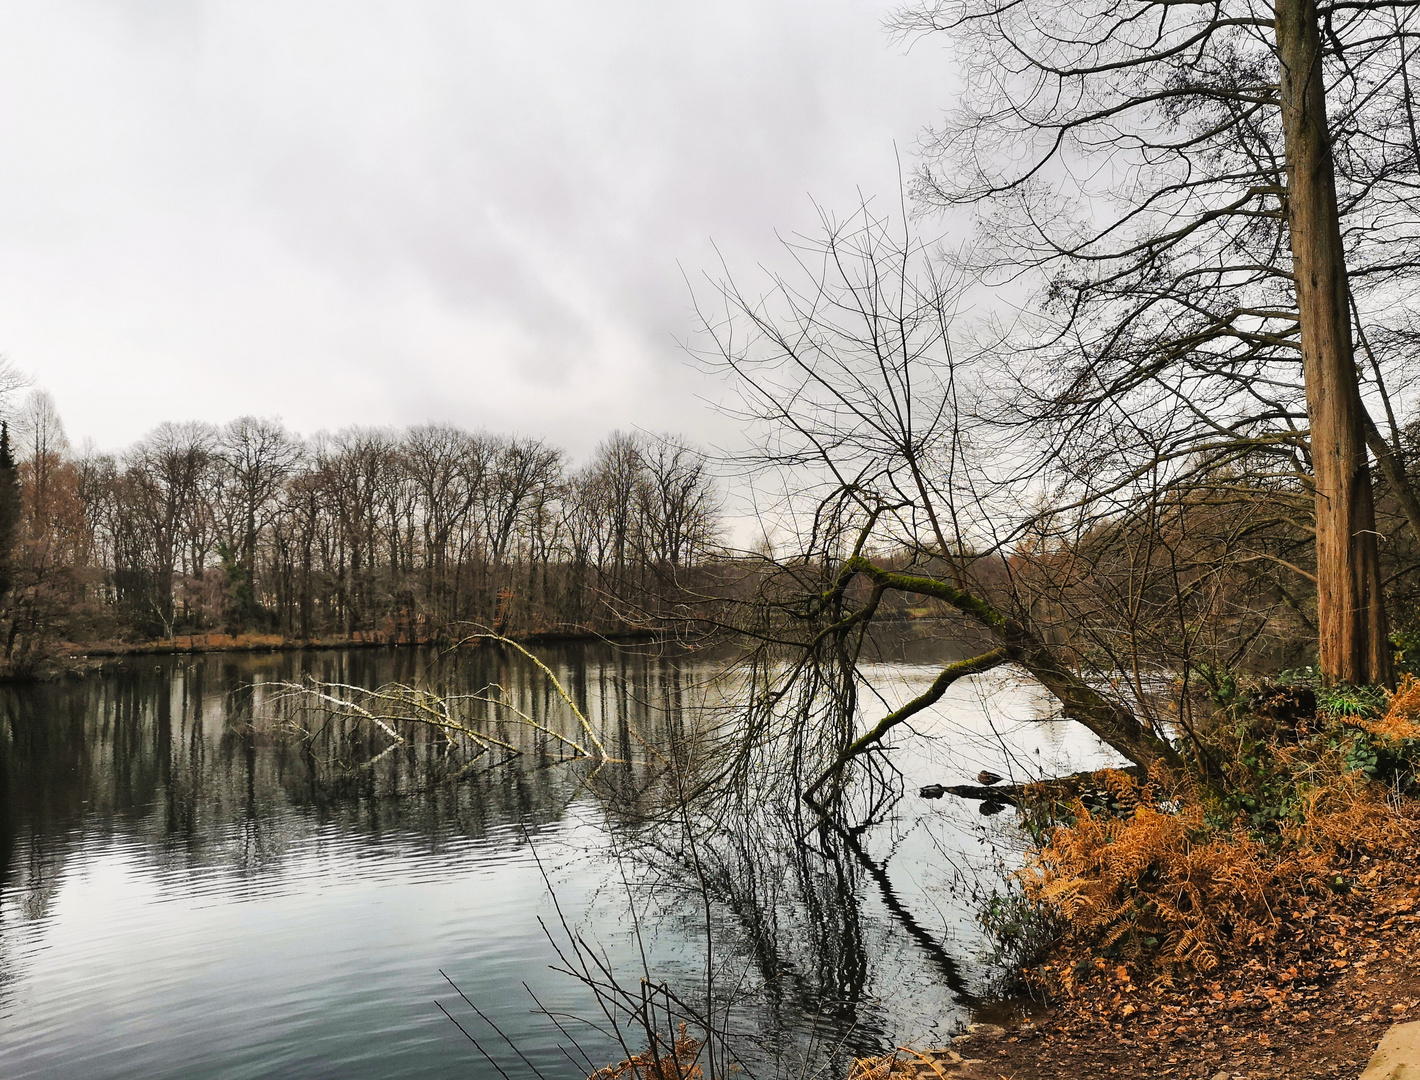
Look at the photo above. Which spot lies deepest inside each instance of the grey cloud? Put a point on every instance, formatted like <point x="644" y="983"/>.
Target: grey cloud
<point x="387" y="212"/>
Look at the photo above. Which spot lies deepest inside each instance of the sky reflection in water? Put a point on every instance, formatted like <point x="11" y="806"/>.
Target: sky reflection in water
<point x="180" y="899"/>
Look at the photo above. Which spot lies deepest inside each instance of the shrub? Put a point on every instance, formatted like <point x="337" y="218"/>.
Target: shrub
<point x="1188" y="874"/>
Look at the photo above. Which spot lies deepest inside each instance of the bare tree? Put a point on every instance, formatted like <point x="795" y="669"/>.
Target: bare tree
<point x="1213" y="199"/>
<point x="414" y="533"/>
<point x="894" y="488"/>
<point x="42" y="441"/>
<point x="353" y="465"/>
<point x="677" y="504"/>
<point x="165" y="474"/>
<point x="449" y="468"/>
<point x="618" y="463"/>
<point x="255" y="457"/>
<point x="522" y="468"/>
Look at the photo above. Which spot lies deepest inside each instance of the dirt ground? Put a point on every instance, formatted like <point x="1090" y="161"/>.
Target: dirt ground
<point x="1314" y="1010"/>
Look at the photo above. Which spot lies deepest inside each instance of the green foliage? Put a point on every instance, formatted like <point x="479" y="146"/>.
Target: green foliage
<point x="1338" y="699"/>
<point x="1222" y="684"/>
<point x="1268" y="788"/>
<point x="1260" y="788"/>
<point x="1022" y="929"/>
<point x="242" y="610"/>
<point x="1406" y="647"/>
<point x="1344" y="700"/>
<point x="1393" y="762"/>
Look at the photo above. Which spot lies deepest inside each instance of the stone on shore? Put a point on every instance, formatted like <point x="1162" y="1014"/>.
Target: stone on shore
<point x="1398" y="1055"/>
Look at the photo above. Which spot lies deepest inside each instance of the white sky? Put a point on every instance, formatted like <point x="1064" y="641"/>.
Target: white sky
<point x="387" y="213"/>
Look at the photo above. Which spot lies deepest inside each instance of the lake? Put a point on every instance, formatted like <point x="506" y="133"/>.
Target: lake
<point x="199" y="880"/>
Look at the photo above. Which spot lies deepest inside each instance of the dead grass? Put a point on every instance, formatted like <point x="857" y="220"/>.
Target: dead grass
<point x="217" y="642"/>
<point x="682" y="1063"/>
<point x="904" y="1063"/>
<point x="1181" y="880"/>
<point x="1402" y="718"/>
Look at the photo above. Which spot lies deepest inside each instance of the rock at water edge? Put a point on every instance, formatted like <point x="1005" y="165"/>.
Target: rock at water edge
<point x="1398" y="1055"/>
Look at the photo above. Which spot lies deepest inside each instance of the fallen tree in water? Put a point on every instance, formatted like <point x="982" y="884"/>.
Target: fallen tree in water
<point x="467" y="726"/>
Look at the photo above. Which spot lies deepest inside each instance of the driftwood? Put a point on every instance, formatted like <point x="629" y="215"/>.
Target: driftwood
<point x="1004" y="793"/>
<point x="1064" y="787"/>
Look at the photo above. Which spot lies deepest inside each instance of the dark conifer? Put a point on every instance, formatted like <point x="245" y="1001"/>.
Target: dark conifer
<point x="9" y="510"/>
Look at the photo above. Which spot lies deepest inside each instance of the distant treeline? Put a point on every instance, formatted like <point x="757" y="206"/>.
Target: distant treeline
<point x="419" y="534"/>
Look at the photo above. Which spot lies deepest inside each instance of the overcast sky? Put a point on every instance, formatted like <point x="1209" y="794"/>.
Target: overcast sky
<point x="387" y="213"/>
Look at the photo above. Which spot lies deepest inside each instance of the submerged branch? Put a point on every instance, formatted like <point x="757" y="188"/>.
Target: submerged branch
<point x="547" y="671"/>
<point x="1110" y="720"/>
<point x="1054" y="790"/>
<point x="392" y="709"/>
<point x="950" y="674"/>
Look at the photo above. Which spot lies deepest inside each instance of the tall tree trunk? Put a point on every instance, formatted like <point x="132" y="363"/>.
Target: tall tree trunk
<point x="1353" y="644"/>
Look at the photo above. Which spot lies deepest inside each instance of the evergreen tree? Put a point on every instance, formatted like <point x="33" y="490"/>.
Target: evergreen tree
<point x="9" y="511"/>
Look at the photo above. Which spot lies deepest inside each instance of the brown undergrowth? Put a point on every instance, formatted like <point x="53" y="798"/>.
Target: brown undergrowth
<point x="1402" y="718"/>
<point x="1177" y="877"/>
<point x="682" y="1063"/>
<point x="904" y="1063"/>
<point x="1168" y="886"/>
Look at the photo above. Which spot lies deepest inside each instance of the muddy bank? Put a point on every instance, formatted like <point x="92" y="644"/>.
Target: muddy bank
<point x="1316" y="1011"/>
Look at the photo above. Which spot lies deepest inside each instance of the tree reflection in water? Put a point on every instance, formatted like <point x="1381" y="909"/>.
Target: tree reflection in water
<point x="200" y="765"/>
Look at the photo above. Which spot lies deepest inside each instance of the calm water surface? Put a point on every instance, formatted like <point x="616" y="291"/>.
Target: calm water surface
<point x="184" y="893"/>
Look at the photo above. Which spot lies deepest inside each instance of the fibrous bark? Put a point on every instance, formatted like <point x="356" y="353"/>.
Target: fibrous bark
<point x="1353" y="644"/>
